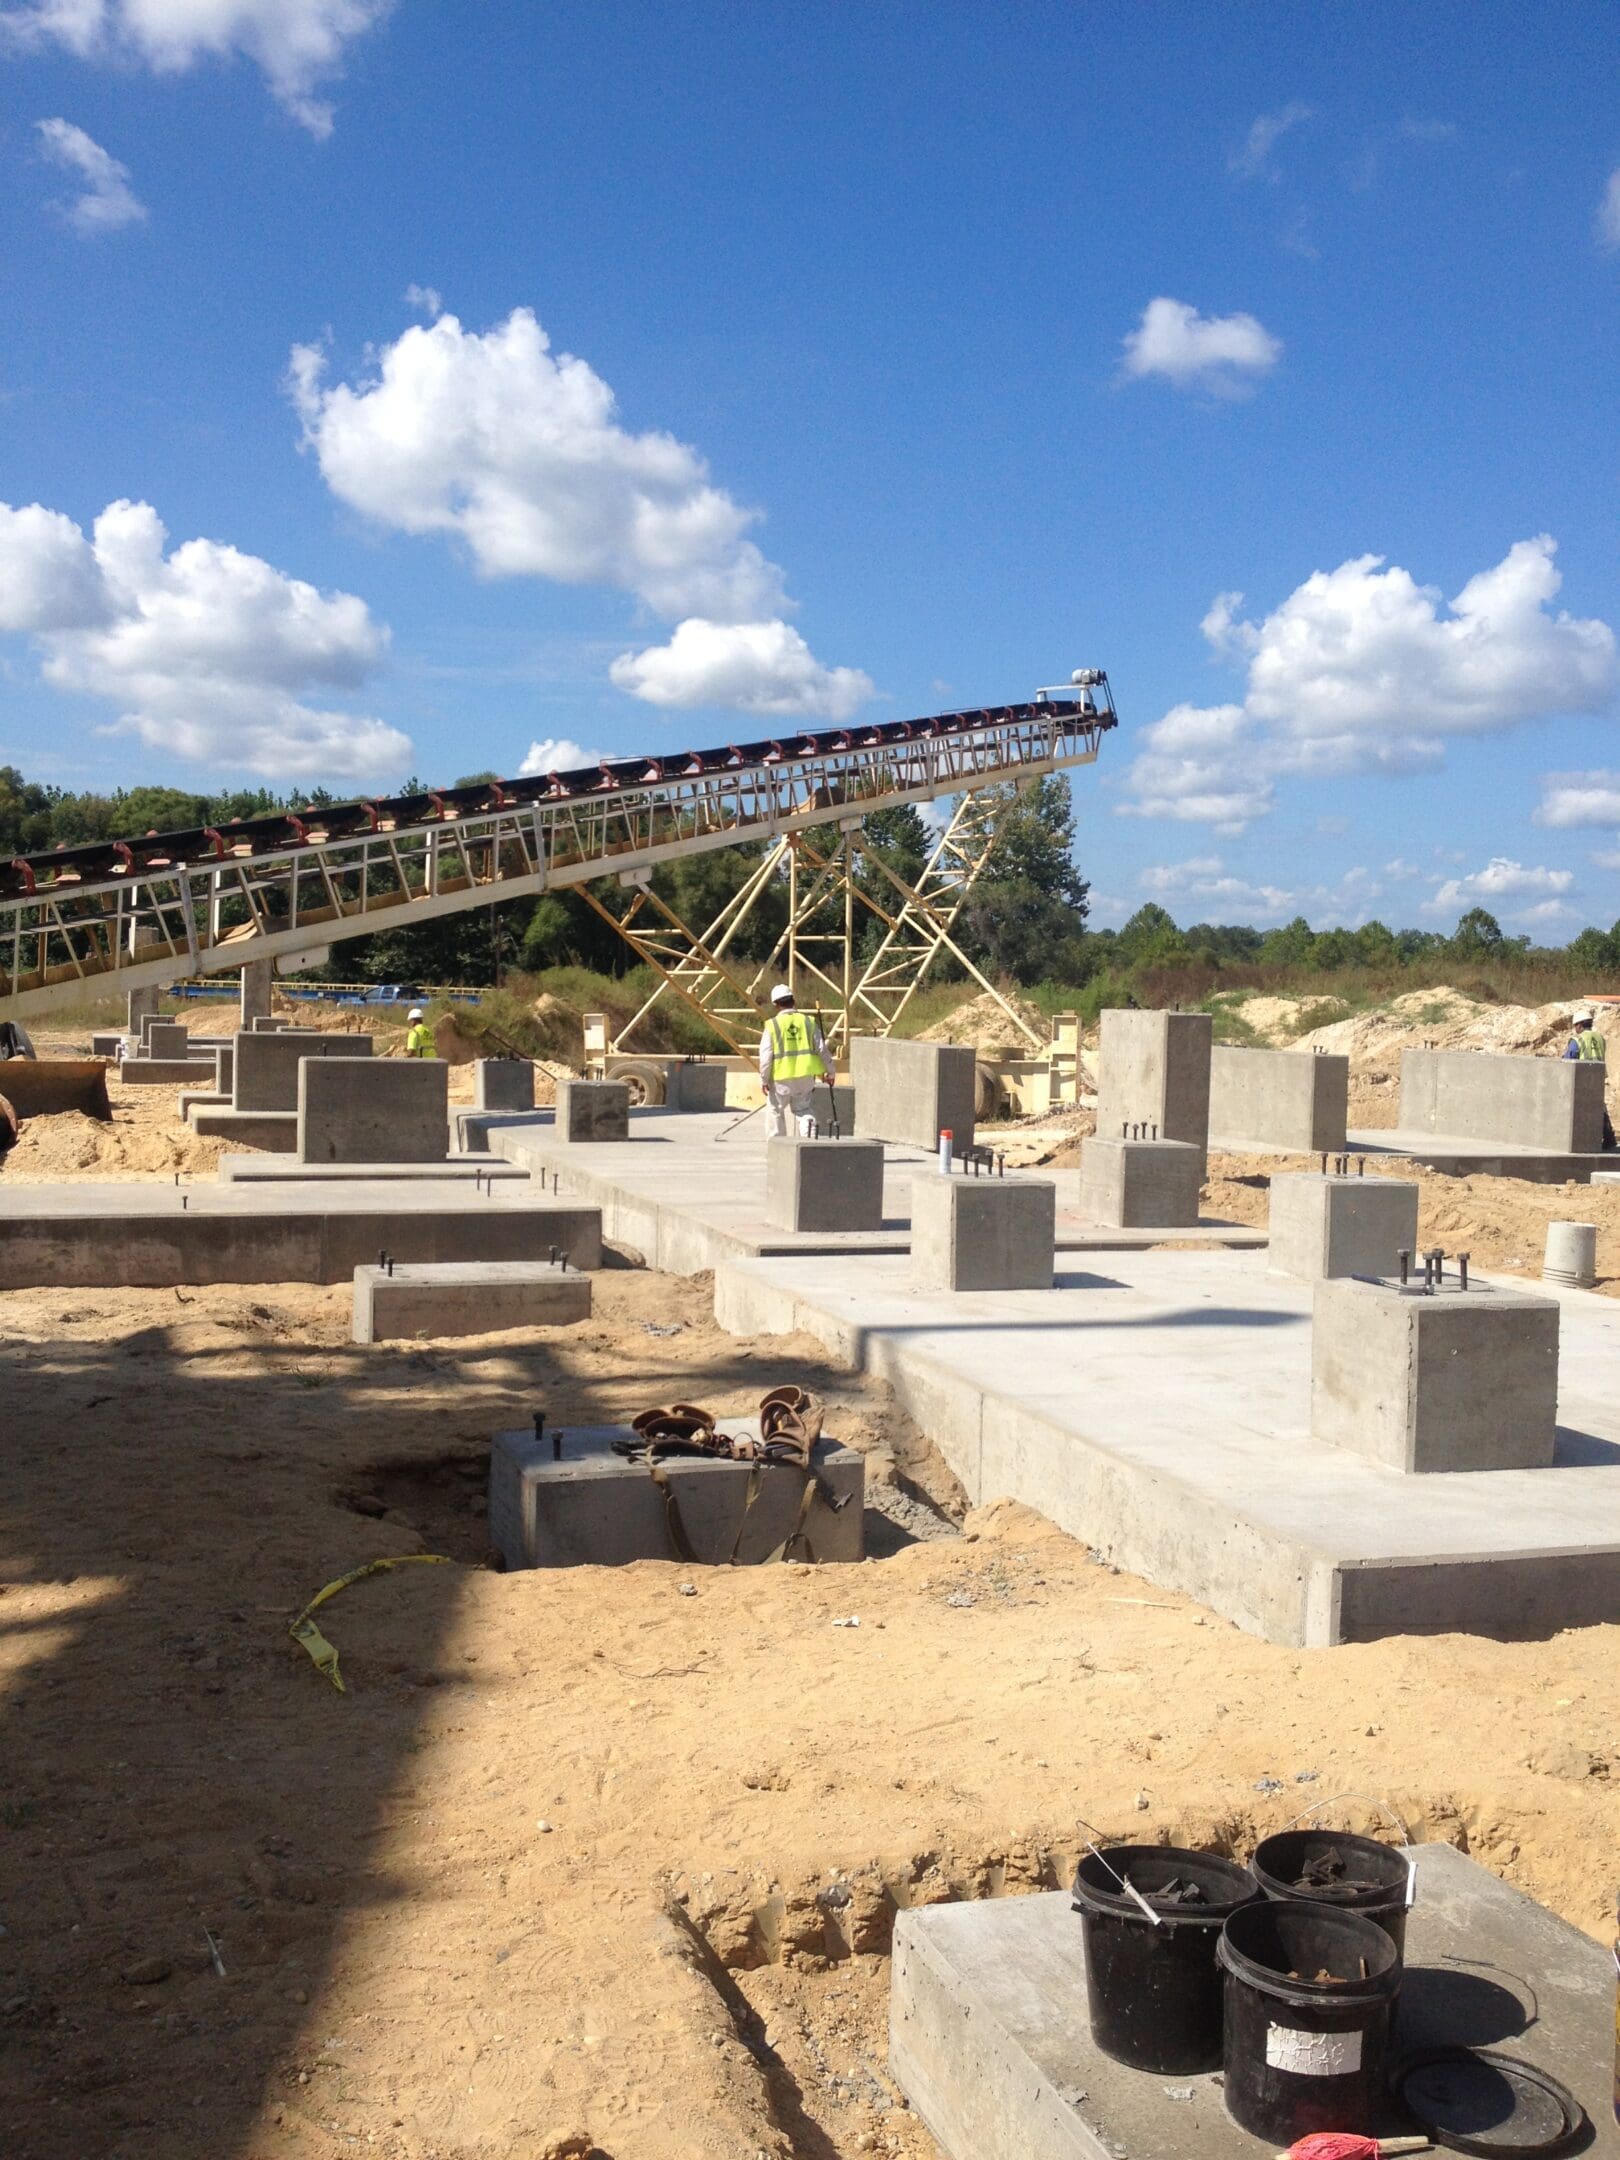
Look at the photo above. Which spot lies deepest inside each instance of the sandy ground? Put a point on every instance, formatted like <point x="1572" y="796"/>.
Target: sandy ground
<point x="602" y="1862"/>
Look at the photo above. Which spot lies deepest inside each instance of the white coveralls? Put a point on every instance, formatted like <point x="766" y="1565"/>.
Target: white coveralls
<point x="787" y="1097"/>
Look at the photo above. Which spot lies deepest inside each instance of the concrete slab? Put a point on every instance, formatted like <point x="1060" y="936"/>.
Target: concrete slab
<point x="1295" y="1099"/>
<point x="406" y="1303"/>
<point x="593" y="1508"/>
<point x="1153" y="1070"/>
<point x="913" y="1091"/>
<point x="1325" y="1226"/>
<point x="282" y="1170"/>
<point x="373" y="1110"/>
<point x="989" y="2041"/>
<point x="1456" y="1156"/>
<point x="1156" y="1405"/>
<point x="190" y="1099"/>
<point x="694" y="1196"/>
<point x="1432" y="1380"/>
<point x="134" y="1235"/>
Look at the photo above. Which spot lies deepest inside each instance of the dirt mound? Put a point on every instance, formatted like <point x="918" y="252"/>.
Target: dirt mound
<point x="1280" y="1021"/>
<point x="986" y="1024"/>
<point x="132" y="1146"/>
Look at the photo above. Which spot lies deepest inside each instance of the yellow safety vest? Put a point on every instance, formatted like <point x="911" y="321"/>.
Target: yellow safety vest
<point x="1591" y="1045"/>
<point x="793" y="1048"/>
<point x="419" y="1042"/>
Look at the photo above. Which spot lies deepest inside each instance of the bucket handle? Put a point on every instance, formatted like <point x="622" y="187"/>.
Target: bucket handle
<point x="1124" y="1881"/>
<point x="1373" y="1800"/>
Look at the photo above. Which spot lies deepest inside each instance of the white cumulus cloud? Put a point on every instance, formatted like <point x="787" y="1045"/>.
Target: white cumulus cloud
<point x="1501" y="880"/>
<point x="208" y="654"/>
<point x="1202" y="886"/>
<point x="755" y="667"/>
<point x="106" y="200"/>
<point x="1608" y="215"/>
<point x="555" y="753"/>
<point x="1199" y="767"/>
<point x="297" y="43"/>
<point x="519" y="452"/>
<point x="1362" y="669"/>
<point x="1223" y="353"/>
<point x="1579" y="798"/>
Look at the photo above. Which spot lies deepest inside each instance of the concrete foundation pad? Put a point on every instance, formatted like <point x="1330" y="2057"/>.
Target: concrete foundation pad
<point x="1457" y="1156"/>
<point x="369" y="1109"/>
<point x="989" y="2041"/>
<point x="276" y="1131"/>
<point x="1554" y="1103"/>
<point x="1295" y="1099"/>
<point x="165" y="1072"/>
<point x="150" y="1235"/>
<point x="278" y="1170"/>
<point x="190" y="1099"/>
<point x="593" y="1508"/>
<point x="692" y="1198"/>
<point x="978" y="1233"/>
<point x="503" y="1084"/>
<point x="1156" y="1405"/>
<point x="913" y="1091"/>
<point x="1153" y="1071"/>
<point x="470" y="1130"/>
<point x="1140" y="1184"/>
<point x="409" y="1303"/>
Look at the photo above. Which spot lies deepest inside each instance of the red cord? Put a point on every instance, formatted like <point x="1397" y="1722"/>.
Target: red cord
<point x="1335" y="2145"/>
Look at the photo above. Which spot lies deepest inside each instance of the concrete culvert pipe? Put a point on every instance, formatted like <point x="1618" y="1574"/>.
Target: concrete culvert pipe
<point x="1571" y="1254"/>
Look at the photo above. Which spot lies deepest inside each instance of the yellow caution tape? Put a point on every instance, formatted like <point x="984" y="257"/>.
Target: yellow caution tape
<point x="304" y="1630"/>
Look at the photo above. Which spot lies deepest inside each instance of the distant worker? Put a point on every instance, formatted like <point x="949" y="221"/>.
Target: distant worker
<point x="792" y="1058"/>
<point x="1588" y="1045"/>
<point x="419" y="1042"/>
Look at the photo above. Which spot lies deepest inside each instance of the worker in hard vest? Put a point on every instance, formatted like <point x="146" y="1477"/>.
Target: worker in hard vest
<point x="1588" y="1045"/>
<point x="792" y="1058"/>
<point x="419" y="1042"/>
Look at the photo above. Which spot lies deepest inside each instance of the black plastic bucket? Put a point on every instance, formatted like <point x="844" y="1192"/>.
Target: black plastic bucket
<point x="1155" y="1991"/>
<point x="1373" y="1878"/>
<point x="1302" y="2053"/>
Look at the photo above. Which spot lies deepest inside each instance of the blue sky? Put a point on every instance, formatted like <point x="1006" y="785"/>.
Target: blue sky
<point x="1027" y="334"/>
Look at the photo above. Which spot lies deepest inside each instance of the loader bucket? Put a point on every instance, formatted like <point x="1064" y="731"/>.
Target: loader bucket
<point x="38" y="1087"/>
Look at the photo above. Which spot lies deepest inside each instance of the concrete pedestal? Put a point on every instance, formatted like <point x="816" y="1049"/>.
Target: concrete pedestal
<point x="824" y="1184"/>
<point x="256" y="980"/>
<point x="827" y="1102"/>
<point x="593" y="1508"/>
<point x="1294" y="1099"/>
<point x="1322" y="1226"/>
<point x="503" y="1084"/>
<point x="1141" y="1184"/>
<point x="267" y="1062"/>
<point x="373" y="1110"/>
<point x="979" y="1233"/>
<point x="911" y="1092"/>
<point x="593" y="1110"/>
<point x="469" y="1297"/>
<point x="162" y="1072"/>
<point x="140" y="1005"/>
<point x="989" y="2041"/>
<point x="1450" y="1380"/>
<point x="695" y="1087"/>
<point x="166" y="1039"/>
<point x="1153" y="1070"/>
<point x="1553" y="1103"/>
<point x="275" y="1131"/>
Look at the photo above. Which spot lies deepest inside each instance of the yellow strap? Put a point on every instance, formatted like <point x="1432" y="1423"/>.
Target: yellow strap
<point x="305" y="1632"/>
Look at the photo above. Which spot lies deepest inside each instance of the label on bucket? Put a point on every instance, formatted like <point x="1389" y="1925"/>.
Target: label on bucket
<point x="1312" y="2054"/>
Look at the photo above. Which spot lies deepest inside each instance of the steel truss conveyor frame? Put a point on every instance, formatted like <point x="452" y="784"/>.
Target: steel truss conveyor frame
<point x="131" y="914"/>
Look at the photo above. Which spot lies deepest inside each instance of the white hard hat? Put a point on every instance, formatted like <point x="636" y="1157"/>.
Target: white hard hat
<point x="1584" y="1017"/>
<point x="415" y="1013"/>
<point x="781" y="994"/>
